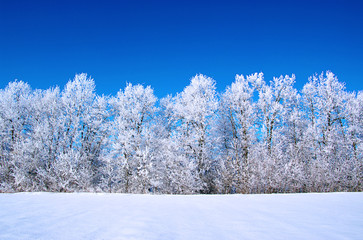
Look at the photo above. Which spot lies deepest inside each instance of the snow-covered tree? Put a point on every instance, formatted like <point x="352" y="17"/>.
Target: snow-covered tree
<point x="81" y="119"/>
<point x="194" y="109"/>
<point x="43" y="145"/>
<point x="130" y="160"/>
<point x="15" y="128"/>
<point x="176" y="173"/>
<point x="354" y="142"/>
<point x="273" y="103"/>
<point x="330" y="116"/>
<point x="236" y="130"/>
<point x="258" y="137"/>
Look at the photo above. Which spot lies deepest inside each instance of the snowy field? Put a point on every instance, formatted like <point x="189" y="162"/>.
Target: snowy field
<point x="123" y="216"/>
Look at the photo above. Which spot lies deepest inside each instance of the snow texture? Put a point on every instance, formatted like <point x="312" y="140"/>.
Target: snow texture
<point x="126" y="216"/>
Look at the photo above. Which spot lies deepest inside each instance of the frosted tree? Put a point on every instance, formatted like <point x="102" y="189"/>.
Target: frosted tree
<point x="81" y="138"/>
<point x="271" y="102"/>
<point x="258" y="137"/>
<point x="237" y="132"/>
<point x="130" y="159"/>
<point x="15" y="127"/>
<point x="272" y="107"/>
<point x="331" y="124"/>
<point x="176" y="173"/>
<point x="43" y="147"/>
<point x="195" y="108"/>
<point x="292" y="130"/>
<point x="354" y="142"/>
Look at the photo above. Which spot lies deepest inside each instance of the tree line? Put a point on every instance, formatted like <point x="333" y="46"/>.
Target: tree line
<point x="255" y="137"/>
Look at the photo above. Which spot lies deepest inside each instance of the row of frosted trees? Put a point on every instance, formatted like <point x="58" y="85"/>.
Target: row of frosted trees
<point x="255" y="137"/>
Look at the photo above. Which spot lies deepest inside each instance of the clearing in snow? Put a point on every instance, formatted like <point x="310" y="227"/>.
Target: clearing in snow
<point x="126" y="216"/>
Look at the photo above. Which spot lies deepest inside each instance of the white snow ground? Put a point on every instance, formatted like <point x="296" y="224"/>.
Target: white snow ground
<point x="123" y="216"/>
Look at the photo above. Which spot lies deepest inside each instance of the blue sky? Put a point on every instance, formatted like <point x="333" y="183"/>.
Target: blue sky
<point x="165" y="43"/>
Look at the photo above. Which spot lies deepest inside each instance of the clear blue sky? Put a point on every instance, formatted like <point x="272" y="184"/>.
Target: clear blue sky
<point x="165" y="43"/>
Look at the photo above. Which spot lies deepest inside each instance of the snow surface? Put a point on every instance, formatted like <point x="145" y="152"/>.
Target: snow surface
<point x="126" y="216"/>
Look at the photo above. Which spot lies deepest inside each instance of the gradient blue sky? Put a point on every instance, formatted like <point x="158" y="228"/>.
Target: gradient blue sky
<point x="165" y="43"/>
